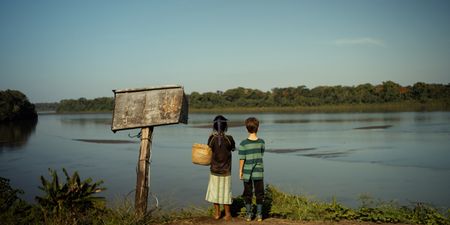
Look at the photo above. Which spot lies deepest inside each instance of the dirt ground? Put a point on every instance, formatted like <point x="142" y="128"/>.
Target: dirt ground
<point x="268" y="221"/>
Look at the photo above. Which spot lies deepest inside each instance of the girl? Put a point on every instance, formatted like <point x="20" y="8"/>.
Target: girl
<point x="219" y="186"/>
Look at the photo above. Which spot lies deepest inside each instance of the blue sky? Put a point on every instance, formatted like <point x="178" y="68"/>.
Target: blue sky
<point x="53" y="50"/>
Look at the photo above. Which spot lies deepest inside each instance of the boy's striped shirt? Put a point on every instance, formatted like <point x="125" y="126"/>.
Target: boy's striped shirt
<point x="252" y="152"/>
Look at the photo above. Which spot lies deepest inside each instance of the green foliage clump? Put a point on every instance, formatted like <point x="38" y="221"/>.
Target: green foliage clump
<point x="425" y="214"/>
<point x="14" y="105"/>
<point x="13" y="210"/>
<point x="301" y="208"/>
<point x="378" y="211"/>
<point x="72" y="201"/>
<point x="391" y="212"/>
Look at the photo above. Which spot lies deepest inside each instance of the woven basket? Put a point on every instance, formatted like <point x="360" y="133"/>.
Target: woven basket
<point x="201" y="154"/>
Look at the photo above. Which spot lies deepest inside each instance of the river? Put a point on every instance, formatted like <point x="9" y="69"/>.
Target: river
<point x="404" y="157"/>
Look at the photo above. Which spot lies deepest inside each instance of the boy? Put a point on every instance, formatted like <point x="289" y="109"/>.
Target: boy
<point x="251" y="168"/>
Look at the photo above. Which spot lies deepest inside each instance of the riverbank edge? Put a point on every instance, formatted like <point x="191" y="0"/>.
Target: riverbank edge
<point x="278" y="208"/>
<point x="283" y="208"/>
<point x="410" y="106"/>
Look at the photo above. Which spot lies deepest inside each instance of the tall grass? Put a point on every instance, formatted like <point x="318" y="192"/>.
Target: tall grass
<point x="122" y="212"/>
<point x="297" y="207"/>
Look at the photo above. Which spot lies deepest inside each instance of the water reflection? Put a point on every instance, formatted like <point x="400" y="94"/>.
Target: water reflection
<point x="328" y="155"/>
<point x="289" y="150"/>
<point x="209" y="125"/>
<point x="14" y="135"/>
<point x="373" y="127"/>
<point x="314" y="152"/>
<point x="106" y="141"/>
<point x="337" y="120"/>
<point x="86" y="121"/>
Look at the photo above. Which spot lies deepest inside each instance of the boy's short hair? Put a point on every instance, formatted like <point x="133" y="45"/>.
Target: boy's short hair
<point x="252" y="124"/>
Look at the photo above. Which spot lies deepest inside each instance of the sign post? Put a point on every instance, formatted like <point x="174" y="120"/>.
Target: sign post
<point x="143" y="171"/>
<point x="146" y="108"/>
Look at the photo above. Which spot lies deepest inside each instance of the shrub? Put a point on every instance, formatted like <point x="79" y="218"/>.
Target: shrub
<point x="13" y="210"/>
<point x="72" y="201"/>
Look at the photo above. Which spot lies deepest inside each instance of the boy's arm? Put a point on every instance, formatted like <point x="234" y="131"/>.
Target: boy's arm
<point x="263" y="147"/>
<point x="241" y="169"/>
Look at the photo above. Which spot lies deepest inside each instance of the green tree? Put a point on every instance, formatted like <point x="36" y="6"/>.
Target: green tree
<point x="14" y="105"/>
<point x="390" y="92"/>
<point x="290" y="96"/>
<point x="363" y="93"/>
<point x="234" y="95"/>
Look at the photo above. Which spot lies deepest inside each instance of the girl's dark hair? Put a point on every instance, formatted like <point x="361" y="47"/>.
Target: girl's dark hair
<point x="220" y="126"/>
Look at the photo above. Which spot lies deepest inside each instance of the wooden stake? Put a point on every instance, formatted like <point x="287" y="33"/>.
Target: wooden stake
<point x="143" y="174"/>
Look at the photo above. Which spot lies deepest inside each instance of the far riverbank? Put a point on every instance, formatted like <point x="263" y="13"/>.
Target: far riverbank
<point x="410" y="106"/>
<point x="342" y="108"/>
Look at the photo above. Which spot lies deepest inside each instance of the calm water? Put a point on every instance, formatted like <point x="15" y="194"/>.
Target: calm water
<point x="402" y="156"/>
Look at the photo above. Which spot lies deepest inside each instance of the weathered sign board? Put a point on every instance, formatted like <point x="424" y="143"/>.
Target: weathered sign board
<point x="145" y="107"/>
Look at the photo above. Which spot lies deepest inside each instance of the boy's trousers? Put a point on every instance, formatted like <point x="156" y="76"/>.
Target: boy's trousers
<point x="248" y="191"/>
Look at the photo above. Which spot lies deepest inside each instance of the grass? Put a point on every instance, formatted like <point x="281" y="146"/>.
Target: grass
<point x="301" y="208"/>
<point x="277" y="204"/>
<point x="293" y="207"/>
<point x="122" y="212"/>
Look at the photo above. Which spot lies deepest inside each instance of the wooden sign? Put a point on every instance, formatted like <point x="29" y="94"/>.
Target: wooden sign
<point x="145" y="107"/>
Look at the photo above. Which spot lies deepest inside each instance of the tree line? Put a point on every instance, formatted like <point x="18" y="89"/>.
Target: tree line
<point x="102" y="104"/>
<point x="386" y="92"/>
<point x="240" y="97"/>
